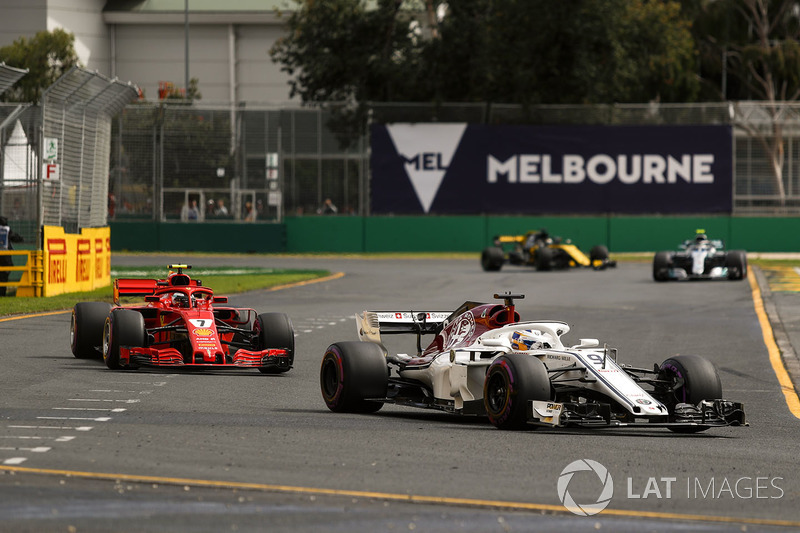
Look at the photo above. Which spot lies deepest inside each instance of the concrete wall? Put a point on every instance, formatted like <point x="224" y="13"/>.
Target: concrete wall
<point x="353" y="234"/>
<point x="149" y="53"/>
<point x="193" y="237"/>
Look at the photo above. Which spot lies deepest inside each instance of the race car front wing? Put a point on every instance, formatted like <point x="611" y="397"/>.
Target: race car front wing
<point x="146" y="356"/>
<point x="707" y="413"/>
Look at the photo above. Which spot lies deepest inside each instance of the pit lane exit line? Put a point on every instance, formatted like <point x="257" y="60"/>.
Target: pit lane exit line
<point x="409" y="498"/>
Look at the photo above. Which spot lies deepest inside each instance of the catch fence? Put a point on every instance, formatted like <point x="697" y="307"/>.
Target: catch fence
<point x="262" y="163"/>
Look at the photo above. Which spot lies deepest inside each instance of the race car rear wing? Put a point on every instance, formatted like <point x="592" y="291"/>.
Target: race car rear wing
<point x="371" y="324"/>
<point x="133" y="287"/>
<point x="144" y="287"/>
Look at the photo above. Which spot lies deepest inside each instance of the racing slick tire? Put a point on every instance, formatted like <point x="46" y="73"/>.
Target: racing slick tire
<point x="351" y="372"/>
<point x="86" y="329"/>
<point x="700" y="382"/>
<point x="544" y="258"/>
<point x="661" y="266"/>
<point x="275" y="330"/>
<point x="598" y="253"/>
<point x="599" y="257"/>
<point x="492" y="259"/>
<point x="736" y="263"/>
<point x="123" y="327"/>
<point x="511" y="382"/>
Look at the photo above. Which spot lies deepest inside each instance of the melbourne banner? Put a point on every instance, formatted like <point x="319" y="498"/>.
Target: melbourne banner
<point x="471" y="169"/>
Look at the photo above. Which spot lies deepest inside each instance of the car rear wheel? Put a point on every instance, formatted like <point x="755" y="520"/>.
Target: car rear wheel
<point x="86" y="329"/>
<point x="693" y="380"/>
<point x="123" y="327"/>
<point x="492" y="259"/>
<point x="511" y="382"/>
<point x="275" y="330"/>
<point x="736" y="263"/>
<point x="351" y="374"/>
<point x="544" y="258"/>
<point x="661" y="266"/>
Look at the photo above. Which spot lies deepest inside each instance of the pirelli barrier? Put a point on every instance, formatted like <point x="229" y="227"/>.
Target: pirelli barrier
<point x="76" y="262"/>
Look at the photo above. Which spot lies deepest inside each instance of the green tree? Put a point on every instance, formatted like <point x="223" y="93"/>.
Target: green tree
<point x="47" y="56"/>
<point x="751" y="51"/>
<point x="515" y="51"/>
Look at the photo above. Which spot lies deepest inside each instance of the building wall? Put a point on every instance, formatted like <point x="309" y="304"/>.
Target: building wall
<point x="84" y="19"/>
<point x="147" y="54"/>
<point x="21" y="18"/>
<point x="150" y="48"/>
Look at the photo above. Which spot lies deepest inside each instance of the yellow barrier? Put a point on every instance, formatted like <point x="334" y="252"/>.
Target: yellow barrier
<point x="32" y="280"/>
<point x="76" y="262"/>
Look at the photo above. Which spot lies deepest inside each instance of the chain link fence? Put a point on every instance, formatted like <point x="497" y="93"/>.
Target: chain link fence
<point x="249" y="163"/>
<point x="173" y="162"/>
<point x="76" y="138"/>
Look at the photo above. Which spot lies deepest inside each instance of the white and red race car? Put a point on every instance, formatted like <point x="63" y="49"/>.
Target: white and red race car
<point x="484" y="361"/>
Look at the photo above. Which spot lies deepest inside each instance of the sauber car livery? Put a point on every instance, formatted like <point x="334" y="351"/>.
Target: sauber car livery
<point x="484" y="361"/>
<point x="181" y="324"/>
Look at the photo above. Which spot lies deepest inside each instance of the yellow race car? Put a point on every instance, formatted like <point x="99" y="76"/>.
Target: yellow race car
<point x="538" y="249"/>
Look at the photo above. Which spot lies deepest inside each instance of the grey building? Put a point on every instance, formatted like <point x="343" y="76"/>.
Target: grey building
<point x="144" y="41"/>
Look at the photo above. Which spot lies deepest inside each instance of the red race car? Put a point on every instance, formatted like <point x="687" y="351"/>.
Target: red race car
<point x="180" y="325"/>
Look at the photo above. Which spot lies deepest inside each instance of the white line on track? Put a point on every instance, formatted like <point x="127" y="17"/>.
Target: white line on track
<point x="74" y="428"/>
<point x="112" y="391"/>
<point x="15" y="460"/>
<point x="38" y="449"/>
<point x="114" y="410"/>
<point x="65" y="438"/>
<point x="100" y="400"/>
<point x="153" y="383"/>
<point x="98" y="419"/>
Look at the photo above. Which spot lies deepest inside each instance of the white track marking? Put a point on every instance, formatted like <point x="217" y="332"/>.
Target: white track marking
<point x="98" y="419"/>
<point x="78" y="428"/>
<point x="111" y="391"/>
<point x="15" y="460"/>
<point x="66" y="438"/>
<point x="100" y="400"/>
<point x="114" y="410"/>
<point x="38" y="449"/>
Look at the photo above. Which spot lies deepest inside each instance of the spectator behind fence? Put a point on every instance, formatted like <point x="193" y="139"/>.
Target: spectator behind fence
<point x="7" y="236"/>
<point x="328" y="208"/>
<point x="190" y="212"/>
<point x="249" y="212"/>
<point x="221" y="211"/>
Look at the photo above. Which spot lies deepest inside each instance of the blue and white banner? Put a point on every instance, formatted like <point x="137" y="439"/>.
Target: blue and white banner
<point x="472" y="169"/>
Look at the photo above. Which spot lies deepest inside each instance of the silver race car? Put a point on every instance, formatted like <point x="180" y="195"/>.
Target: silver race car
<point x="484" y="361"/>
<point x="700" y="258"/>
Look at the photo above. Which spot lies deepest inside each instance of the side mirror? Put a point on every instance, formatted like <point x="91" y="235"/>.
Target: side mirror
<point x="220" y="299"/>
<point x="151" y="298"/>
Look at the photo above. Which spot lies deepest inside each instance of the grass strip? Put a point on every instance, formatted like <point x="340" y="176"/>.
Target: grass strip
<point x="221" y="280"/>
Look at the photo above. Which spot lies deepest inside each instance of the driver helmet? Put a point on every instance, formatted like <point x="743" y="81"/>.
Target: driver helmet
<point x="526" y="340"/>
<point x="180" y="300"/>
<point x="701" y="237"/>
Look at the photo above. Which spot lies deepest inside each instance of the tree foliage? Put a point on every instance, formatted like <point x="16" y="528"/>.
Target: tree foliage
<point x="752" y="47"/>
<point x="515" y="51"/>
<point x="47" y="56"/>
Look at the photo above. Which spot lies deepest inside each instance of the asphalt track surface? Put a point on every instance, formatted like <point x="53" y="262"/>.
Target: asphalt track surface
<point x="84" y="448"/>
